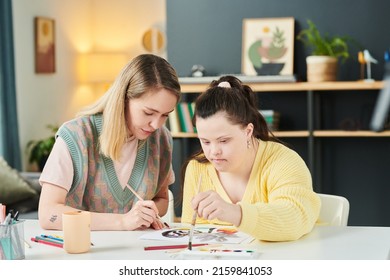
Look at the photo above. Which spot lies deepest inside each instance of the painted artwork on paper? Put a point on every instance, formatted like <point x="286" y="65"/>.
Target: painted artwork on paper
<point x="268" y="46"/>
<point x="44" y="45"/>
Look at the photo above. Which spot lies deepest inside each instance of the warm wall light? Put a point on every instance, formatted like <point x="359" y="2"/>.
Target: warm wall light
<point x="101" y="67"/>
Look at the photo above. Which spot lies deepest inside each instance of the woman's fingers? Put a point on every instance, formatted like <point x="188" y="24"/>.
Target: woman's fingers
<point x="207" y="203"/>
<point x="143" y="214"/>
<point x="148" y="207"/>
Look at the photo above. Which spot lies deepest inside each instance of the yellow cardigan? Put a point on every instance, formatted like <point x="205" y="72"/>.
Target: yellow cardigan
<point x="279" y="203"/>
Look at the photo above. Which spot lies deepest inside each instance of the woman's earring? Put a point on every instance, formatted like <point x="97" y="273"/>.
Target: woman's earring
<point x="248" y="144"/>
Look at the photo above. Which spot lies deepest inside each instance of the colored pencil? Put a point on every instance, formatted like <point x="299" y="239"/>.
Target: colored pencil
<point x="56" y="238"/>
<point x="49" y="239"/>
<point x="52" y="237"/>
<point x="167" y="247"/>
<point x="194" y="218"/>
<point x="47" y="242"/>
<point x="140" y="198"/>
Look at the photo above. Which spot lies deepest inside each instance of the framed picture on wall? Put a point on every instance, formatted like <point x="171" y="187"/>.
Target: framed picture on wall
<point x="44" y="45"/>
<point x="268" y="46"/>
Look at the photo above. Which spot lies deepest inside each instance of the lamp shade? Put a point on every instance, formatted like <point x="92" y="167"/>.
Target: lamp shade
<point x="101" y="67"/>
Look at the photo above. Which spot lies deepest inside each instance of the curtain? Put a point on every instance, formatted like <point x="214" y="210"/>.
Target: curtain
<point x="9" y="136"/>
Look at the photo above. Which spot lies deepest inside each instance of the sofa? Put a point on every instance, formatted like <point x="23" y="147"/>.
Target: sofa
<point x="19" y="191"/>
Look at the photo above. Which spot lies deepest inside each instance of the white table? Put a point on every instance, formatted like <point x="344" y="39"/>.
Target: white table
<point x="323" y="243"/>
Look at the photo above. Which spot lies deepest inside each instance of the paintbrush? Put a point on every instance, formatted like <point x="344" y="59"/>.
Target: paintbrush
<point x="140" y="198"/>
<point x="194" y="218"/>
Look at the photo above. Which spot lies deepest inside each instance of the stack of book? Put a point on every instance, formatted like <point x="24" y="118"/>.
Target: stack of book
<point x="271" y="118"/>
<point x="180" y="120"/>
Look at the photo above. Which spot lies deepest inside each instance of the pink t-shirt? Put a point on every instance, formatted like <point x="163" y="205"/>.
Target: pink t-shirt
<point x="59" y="168"/>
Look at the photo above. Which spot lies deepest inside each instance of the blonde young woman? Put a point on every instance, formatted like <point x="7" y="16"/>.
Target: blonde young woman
<point x="248" y="178"/>
<point x="118" y="143"/>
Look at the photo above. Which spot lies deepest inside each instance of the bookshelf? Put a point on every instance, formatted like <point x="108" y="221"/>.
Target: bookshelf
<point x="314" y="132"/>
<point x="322" y="87"/>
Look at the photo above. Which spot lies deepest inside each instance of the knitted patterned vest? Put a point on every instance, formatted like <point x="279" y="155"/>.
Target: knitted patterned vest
<point x="95" y="185"/>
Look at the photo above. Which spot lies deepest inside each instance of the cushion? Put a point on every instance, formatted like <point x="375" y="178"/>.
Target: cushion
<point x="12" y="186"/>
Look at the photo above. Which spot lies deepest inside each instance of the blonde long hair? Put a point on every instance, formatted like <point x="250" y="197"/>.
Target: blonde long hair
<point x="142" y="74"/>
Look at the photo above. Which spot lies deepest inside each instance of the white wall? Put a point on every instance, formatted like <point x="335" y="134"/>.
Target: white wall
<point x="120" y="24"/>
<point x="80" y="27"/>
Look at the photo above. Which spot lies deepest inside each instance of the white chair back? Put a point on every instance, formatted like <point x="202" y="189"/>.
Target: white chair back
<point x="334" y="210"/>
<point x="169" y="217"/>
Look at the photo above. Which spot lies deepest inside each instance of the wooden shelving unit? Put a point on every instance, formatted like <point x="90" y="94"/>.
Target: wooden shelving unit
<point x="312" y="89"/>
<point x="301" y="86"/>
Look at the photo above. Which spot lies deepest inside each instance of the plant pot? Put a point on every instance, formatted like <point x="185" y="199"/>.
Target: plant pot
<point x="321" y="68"/>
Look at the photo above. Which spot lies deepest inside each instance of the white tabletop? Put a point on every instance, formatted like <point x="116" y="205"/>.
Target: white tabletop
<point x="323" y="243"/>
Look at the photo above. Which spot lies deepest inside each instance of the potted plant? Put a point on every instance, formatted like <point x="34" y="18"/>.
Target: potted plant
<point x="326" y="51"/>
<point x="39" y="150"/>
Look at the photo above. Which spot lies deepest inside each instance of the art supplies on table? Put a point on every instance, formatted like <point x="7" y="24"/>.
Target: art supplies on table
<point x="202" y="234"/>
<point x="47" y="241"/>
<point x="172" y="247"/>
<point x="11" y="235"/>
<point x="51" y="240"/>
<point x="12" y="239"/>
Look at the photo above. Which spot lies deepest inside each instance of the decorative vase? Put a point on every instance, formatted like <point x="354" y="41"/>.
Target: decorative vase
<point x="321" y="68"/>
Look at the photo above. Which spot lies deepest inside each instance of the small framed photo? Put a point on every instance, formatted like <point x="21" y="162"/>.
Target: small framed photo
<point x="44" y="45"/>
<point x="268" y="46"/>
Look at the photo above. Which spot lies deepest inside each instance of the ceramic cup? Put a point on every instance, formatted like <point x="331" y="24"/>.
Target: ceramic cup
<point x="76" y="226"/>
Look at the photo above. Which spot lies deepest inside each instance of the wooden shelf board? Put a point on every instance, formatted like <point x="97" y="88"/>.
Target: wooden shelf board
<point x="303" y="133"/>
<point x="294" y="133"/>
<point x="343" y="133"/>
<point x="184" y="135"/>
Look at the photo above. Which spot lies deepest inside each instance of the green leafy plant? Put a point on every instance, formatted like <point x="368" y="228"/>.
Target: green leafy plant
<point x="39" y="150"/>
<point x="334" y="46"/>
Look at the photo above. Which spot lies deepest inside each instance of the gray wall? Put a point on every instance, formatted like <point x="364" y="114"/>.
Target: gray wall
<point x="209" y="32"/>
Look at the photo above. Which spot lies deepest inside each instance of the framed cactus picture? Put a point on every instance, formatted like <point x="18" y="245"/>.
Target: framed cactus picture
<point x="268" y="46"/>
